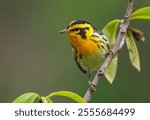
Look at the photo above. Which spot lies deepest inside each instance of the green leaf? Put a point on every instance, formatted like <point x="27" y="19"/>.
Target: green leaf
<point x="110" y="30"/>
<point x="111" y="70"/>
<point x="143" y="13"/>
<point x="68" y="94"/>
<point x="49" y="100"/>
<point x="26" y="98"/>
<point x="133" y="51"/>
<point x="137" y="34"/>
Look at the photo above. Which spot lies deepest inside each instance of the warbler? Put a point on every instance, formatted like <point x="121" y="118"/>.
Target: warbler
<point x="89" y="45"/>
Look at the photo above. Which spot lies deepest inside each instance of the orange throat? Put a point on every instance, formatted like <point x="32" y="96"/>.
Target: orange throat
<point x="83" y="46"/>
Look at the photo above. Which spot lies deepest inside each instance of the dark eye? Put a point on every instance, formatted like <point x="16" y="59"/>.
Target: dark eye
<point x="75" y="30"/>
<point x="87" y="28"/>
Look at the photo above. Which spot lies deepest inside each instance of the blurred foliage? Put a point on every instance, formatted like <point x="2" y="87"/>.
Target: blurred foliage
<point x="34" y="57"/>
<point x="31" y="97"/>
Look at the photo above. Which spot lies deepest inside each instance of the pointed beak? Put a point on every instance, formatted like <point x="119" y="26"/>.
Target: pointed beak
<point x="63" y="31"/>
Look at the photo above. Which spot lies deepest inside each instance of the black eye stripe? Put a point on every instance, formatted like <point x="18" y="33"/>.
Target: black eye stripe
<point x="81" y="29"/>
<point x="76" y="29"/>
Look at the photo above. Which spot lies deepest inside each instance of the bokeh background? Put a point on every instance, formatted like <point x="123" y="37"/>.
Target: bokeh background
<point x="34" y="57"/>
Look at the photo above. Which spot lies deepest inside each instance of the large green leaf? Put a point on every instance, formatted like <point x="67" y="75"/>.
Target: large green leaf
<point x="133" y="51"/>
<point x="143" y="13"/>
<point x="110" y="30"/>
<point x="111" y="70"/>
<point x="26" y="98"/>
<point x="68" y="94"/>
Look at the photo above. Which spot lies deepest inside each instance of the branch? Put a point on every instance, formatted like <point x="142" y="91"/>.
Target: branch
<point x="115" y="49"/>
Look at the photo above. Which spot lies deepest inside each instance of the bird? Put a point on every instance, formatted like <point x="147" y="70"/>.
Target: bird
<point x="90" y="46"/>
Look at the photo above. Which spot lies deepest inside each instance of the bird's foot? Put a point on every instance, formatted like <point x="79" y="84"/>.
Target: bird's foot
<point x="92" y="86"/>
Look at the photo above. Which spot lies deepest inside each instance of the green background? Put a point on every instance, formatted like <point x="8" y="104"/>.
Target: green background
<point x="34" y="57"/>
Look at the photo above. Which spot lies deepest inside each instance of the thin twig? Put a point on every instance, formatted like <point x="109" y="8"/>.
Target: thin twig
<point x="115" y="49"/>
